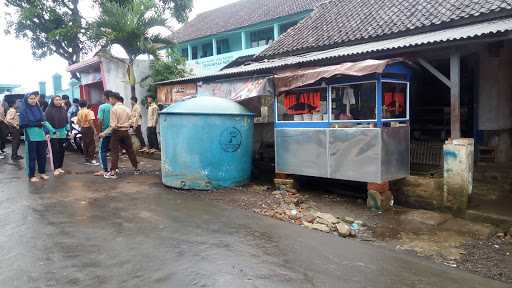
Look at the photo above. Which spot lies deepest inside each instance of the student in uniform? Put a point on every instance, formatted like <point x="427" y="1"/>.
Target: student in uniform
<point x="41" y="100"/>
<point x="13" y="121"/>
<point x="136" y="123"/>
<point x="119" y="126"/>
<point x="36" y="130"/>
<point x="66" y="103"/>
<point x="85" y="119"/>
<point x="4" y="131"/>
<point x="73" y="110"/>
<point x="152" y="123"/>
<point x="57" y="116"/>
<point x="104" y="118"/>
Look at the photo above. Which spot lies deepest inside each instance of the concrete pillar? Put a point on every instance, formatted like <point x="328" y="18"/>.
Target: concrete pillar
<point x="57" y="83"/>
<point x="74" y="89"/>
<point x="42" y="87"/>
<point x="276" y="31"/>
<point x="244" y="44"/>
<point x="214" y="44"/>
<point x="189" y="50"/>
<point x="458" y="173"/>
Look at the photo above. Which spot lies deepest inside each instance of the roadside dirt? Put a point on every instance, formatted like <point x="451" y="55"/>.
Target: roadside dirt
<point x="468" y="246"/>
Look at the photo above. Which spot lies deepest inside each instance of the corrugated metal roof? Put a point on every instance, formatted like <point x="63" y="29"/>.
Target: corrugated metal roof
<point x="339" y="23"/>
<point x="446" y="35"/>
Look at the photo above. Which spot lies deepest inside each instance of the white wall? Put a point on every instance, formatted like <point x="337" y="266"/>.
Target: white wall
<point x="495" y="100"/>
<point x="116" y="79"/>
<point x="495" y="95"/>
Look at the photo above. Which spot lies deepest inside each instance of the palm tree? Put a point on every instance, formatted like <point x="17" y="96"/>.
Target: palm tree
<point x="128" y="24"/>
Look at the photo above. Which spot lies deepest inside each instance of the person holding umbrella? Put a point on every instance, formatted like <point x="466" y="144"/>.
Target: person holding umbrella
<point x="57" y="116"/>
<point x="36" y="130"/>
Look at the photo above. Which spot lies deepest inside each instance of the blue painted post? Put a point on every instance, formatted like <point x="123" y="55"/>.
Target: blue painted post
<point x="214" y="44"/>
<point x="244" y="44"/>
<point x="42" y="87"/>
<point x="276" y="31"/>
<point x="74" y="89"/>
<point x="189" y="50"/>
<point x="57" y="83"/>
<point x="378" y="113"/>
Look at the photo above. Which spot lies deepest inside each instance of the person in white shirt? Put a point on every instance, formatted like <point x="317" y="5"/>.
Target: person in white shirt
<point x="4" y="131"/>
<point x="136" y="123"/>
<point x="13" y="122"/>
<point x="152" y="123"/>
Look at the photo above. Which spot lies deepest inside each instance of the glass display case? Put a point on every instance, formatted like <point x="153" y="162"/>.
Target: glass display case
<point x="346" y="127"/>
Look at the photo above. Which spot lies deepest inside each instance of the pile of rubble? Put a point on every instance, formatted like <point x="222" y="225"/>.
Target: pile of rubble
<point x="290" y="206"/>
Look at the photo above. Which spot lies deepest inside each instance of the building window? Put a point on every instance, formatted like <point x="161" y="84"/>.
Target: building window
<point x="223" y="46"/>
<point x="207" y="50"/>
<point x="262" y="37"/>
<point x="285" y="26"/>
<point x="194" y="52"/>
<point x="354" y="101"/>
<point x="303" y="105"/>
<point x="184" y="53"/>
<point x="394" y="100"/>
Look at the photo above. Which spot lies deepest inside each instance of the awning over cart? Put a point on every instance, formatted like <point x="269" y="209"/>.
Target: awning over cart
<point x="297" y="77"/>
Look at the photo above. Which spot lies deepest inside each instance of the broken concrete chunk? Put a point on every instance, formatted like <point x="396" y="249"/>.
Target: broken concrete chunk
<point x="308" y="217"/>
<point x="343" y="229"/>
<point x="328" y="217"/>
<point x="359" y="223"/>
<point x="293" y="214"/>
<point x="322" y="221"/>
<point x="349" y="220"/>
<point x="318" y="227"/>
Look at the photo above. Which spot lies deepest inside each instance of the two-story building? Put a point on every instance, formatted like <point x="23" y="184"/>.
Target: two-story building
<point x="217" y="37"/>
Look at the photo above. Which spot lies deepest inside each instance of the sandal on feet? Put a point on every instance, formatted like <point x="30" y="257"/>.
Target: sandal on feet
<point x="44" y="177"/>
<point x="34" y="179"/>
<point x="99" y="173"/>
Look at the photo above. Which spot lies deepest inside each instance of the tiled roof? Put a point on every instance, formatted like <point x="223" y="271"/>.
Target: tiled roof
<point x="338" y="22"/>
<point x="458" y="34"/>
<point x="240" y="14"/>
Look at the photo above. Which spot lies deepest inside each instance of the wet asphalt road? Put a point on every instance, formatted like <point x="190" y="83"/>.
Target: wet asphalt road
<point x="82" y="231"/>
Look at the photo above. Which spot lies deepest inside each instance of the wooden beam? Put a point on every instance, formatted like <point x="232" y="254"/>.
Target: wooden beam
<point x="455" y="95"/>
<point x="434" y="71"/>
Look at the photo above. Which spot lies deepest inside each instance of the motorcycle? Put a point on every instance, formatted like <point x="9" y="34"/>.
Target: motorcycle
<point x="74" y="141"/>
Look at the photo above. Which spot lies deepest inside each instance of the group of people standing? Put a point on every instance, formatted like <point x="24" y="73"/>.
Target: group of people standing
<point x="50" y="124"/>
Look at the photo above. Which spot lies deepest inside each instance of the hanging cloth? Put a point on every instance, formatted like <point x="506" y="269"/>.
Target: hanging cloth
<point x="348" y="98"/>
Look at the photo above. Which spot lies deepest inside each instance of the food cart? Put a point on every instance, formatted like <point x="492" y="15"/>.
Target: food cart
<point x="349" y="121"/>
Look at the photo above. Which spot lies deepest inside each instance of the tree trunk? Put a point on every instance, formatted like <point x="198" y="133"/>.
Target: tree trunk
<point x="131" y="79"/>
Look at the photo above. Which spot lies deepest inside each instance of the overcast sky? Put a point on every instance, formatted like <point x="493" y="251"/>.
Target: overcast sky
<point x="18" y="67"/>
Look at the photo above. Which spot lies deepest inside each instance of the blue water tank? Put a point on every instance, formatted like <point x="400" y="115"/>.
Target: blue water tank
<point x="206" y="144"/>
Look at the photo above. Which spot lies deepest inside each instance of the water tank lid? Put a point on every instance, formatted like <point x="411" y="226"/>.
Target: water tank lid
<point x="207" y="105"/>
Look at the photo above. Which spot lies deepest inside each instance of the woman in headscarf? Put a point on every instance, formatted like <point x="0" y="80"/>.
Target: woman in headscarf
<point x="57" y="116"/>
<point x="36" y="130"/>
